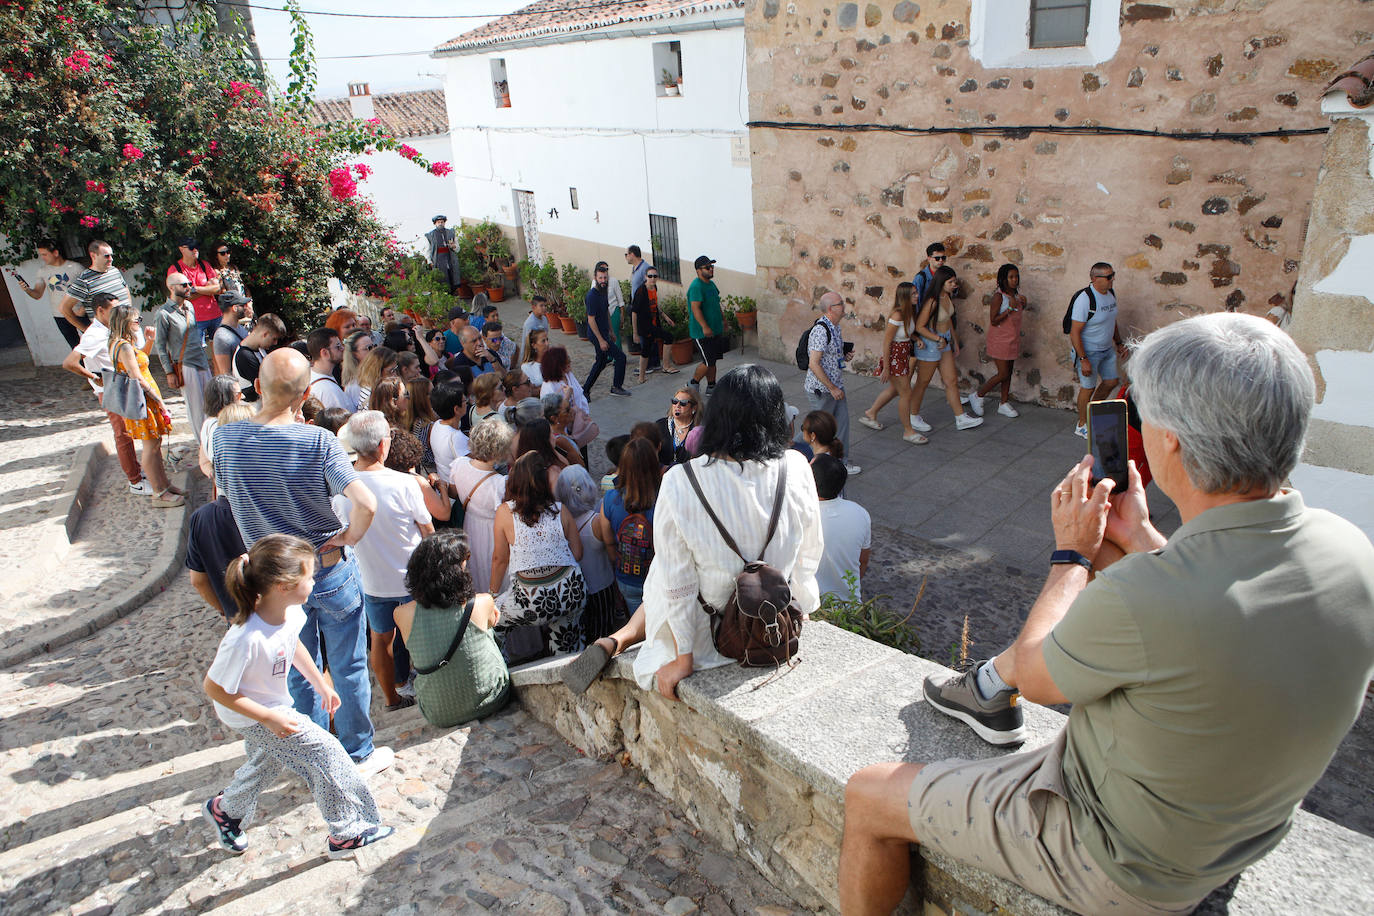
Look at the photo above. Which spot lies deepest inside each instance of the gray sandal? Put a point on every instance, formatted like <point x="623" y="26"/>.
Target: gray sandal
<point x="579" y="673"/>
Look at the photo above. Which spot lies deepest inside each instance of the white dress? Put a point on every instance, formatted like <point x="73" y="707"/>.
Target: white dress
<point x="690" y="556"/>
<point x="479" y="521"/>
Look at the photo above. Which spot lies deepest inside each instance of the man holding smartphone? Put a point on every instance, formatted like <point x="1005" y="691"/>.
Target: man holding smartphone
<point x="1212" y="674"/>
<point x="1096" y="341"/>
<point x="55" y="276"/>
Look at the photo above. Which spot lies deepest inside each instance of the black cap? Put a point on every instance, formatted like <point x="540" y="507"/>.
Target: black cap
<point x="457" y="312"/>
<point x="439" y="217"/>
<point x="187" y="241"/>
<point x="703" y="261"/>
<point x="229" y="300"/>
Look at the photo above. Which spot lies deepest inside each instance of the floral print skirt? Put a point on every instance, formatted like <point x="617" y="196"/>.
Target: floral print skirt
<point x="552" y="597"/>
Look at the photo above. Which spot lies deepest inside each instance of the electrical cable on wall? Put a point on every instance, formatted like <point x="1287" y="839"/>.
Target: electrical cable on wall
<point x="1023" y="131"/>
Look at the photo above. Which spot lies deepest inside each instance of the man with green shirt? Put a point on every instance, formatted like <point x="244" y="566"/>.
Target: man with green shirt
<point x="1212" y="674"/>
<point x="705" y="323"/>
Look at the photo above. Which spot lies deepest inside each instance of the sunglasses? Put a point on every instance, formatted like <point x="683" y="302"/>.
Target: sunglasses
<point x="681" y="403"/>
<point x="651" y="276"/>
<point x="222" y="251"/>
<point x="939" y="257"/>
<point x="1110" y="276"/>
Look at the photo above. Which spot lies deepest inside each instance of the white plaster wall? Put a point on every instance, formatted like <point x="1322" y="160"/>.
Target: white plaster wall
<point x="999" y="36"/>
<point x="406" y="196"/>
<point x="1347" y="494"/>
<point x="585" y="114"/>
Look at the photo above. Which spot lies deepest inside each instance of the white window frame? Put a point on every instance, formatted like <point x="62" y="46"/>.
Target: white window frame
<point x="999" y="36"/>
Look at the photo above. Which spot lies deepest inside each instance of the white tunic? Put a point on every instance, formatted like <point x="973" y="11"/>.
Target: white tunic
<point x="691" y="556"/>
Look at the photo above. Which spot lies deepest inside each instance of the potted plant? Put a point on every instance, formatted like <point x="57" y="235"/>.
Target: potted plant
<point x="675" y="309"/>
<point x="416" y="289"/>
<point x="669" y="83"/>
<point x="744" y="310"/>
<point x="577" y="311"/>
<point x="495" y="282"/>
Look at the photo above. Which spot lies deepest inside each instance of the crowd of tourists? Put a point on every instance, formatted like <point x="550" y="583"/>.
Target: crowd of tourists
<point x="415" y="508"/>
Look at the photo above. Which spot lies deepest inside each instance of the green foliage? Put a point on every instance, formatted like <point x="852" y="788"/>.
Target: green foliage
<point x="417" y="287"/>
<point x="871" y="618"/>
<point x="675" y="307"/>
<point x="300" y="92"/>
<point x="543" y="280"/>
<point x="139" y="134"/>
<point x="575" y="281"/>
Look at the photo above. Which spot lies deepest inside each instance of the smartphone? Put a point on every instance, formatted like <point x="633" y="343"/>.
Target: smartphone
<point x="1107" y="439"/>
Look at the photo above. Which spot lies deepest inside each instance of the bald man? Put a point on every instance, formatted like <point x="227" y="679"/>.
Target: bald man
<point x="279" y="477"/>
<point x="181" y="350"/>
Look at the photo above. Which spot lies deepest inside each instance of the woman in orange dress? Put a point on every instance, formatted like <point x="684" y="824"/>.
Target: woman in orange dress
<point x="124" y="322"/>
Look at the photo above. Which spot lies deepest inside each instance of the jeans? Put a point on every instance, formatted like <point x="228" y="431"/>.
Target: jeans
<point x="612" y="352"/>
<point x="334" y="614"/>
<point x="207" y="329"/>
<point x="821" y="400"/>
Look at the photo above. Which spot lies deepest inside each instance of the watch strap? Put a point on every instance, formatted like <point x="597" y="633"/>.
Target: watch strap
<point x="1070" y="556"/>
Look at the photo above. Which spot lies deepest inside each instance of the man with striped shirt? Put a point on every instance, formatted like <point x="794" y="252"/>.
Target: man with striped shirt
<point x="279" y="477"/>
<point x="101" y="277"/>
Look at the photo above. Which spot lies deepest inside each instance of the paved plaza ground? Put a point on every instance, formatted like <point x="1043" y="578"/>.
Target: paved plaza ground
<point x="108" y="744"/>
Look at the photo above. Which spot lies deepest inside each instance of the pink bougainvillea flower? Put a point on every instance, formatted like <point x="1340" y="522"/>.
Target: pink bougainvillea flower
<point x="131" y="152"/>
<point x="408" y="151"/>
<point x="90" y="222"/>
<point x="341" y="183"/>
<point x="440" y="168"/>
<point x="78" y="61"/>
<point x="362" y="171"/>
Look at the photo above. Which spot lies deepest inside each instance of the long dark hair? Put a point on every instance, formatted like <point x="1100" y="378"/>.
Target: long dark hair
<point x="435" y="574"/>
<point x="942" y="275"/>
<point x="822" y="425"/>
<point x="1002" y="273"/>
<point x="528" y="487"/>
<point x="277" y="559"/>
<point x="903" y="305"/>
<point x="746" y="419"/>
<point x="638" y="475"/>
<point x="535" y="437"/>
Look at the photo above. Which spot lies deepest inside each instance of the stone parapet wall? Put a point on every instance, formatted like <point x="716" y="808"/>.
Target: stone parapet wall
<point x="760" y="765"/>
<point x="1191" y="226"/>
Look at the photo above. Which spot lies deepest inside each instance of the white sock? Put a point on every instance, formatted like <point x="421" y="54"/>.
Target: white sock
<point x="989" y="682"/>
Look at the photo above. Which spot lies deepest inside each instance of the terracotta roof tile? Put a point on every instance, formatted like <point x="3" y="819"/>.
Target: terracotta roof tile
<point x="403" y="114"/>
<point x="546" y="17"/>
<point x="1357" y="83"/>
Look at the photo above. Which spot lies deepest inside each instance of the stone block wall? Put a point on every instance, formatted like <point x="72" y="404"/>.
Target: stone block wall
<point x="1191" y="225"/>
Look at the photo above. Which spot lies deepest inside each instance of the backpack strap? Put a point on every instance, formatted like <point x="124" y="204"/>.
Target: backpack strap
<point x="777" y="507"/>
<point x="453" y="646"/>
<point x="467" y="499"/>
<point x="772" y="521"/>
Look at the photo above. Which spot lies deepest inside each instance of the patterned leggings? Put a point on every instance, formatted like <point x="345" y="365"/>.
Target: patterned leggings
<point x="319" y="758"/>
<point x="548" y="597"/>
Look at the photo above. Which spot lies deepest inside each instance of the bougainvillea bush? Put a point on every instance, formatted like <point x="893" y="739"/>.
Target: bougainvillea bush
<point x="140" y="133"/>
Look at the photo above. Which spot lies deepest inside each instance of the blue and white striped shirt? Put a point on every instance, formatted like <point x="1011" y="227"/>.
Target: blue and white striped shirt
<point x="279" y="479"/>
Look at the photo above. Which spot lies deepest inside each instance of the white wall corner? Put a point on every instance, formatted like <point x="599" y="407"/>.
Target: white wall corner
<point x="999" y="36"/>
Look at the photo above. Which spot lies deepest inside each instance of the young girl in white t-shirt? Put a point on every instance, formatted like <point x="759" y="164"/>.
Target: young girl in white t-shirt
<point x="247" y="683"/>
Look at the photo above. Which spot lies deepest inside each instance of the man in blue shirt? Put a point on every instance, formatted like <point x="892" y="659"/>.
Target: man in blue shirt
<point x="1096" y="341"/>
<point x="599" y="328"/>
<point x="279" y="477"/>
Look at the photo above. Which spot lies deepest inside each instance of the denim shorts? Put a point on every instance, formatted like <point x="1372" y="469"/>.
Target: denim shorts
<point x="928" y="352"/>
<point x="381" y="612"/>
<point x="1104" y="367"/>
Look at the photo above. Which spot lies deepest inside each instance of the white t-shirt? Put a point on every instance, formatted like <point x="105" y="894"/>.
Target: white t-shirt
<point x="327" y="391"/>
<point x="253" y="660"/>
<point x="394" y="533"/>
<point x="579" y="400"/>
<point x="533" y="373"/>
<point x="847" y="530"/>
<point x="448" y="444"/>
<point x="58" y="279"/>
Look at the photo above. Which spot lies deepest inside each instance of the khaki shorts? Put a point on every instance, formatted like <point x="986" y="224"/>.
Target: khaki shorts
<point x="1010" y="816"/>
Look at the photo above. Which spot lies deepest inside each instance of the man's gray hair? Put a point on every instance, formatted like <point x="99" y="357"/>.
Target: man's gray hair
<point x="491" y="440"/>
<point x="1235" y="390"/>
<point x="365" y="431"/>
<point x="552" y="402"/>
<point x="576" y="490"/>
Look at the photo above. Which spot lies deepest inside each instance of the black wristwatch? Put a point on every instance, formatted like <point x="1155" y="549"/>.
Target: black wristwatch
<point x="1070" y="556"/>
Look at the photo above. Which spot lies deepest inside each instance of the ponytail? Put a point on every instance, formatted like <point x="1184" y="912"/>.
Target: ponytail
<point x="822" y="425"/>
<point x="278" y="559"/>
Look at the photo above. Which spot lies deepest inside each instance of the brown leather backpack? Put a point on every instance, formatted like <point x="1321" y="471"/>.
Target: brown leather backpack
<point x="760" y="624"/>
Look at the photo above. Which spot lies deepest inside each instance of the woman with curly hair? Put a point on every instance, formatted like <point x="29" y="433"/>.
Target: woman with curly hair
<point x="538" y="542"/>
<point x="460" y="674"/>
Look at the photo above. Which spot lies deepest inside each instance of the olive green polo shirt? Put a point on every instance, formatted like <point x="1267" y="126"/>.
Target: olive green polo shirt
<point x="1212" y="681"/>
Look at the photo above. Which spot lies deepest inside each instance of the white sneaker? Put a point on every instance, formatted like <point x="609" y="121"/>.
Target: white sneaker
<point x="921" y="426"/>
<point x="853" y="469"/>
<point x="378" y="760"/>
<point x="964" y="421"/>
<point x="1007" y="410"/>
<point x="142" y="488"/>
<point x="975" y="404"/>
<point x="1081" y="431"/>
<point x="408" y="688"/>
<point x="963" y="399"/>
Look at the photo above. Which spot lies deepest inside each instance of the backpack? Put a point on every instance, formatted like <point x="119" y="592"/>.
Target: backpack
<point x="760" y="624"/>
<point x="1092" y="308"/>
<point x="634" y="540"/>
<point x="804" y="346"/>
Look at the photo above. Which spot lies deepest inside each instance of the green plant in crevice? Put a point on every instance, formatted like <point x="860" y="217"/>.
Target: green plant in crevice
<point x="871" y="618"/>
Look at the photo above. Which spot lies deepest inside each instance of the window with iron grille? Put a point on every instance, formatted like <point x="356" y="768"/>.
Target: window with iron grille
<point x="663" y="237"/>
<point x="1059" y="23"/>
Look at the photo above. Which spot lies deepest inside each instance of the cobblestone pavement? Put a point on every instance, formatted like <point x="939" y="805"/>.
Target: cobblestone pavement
<point x="110" y="746"/>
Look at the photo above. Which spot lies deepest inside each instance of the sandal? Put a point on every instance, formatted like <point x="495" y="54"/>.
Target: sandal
<point x="673" y="371"/>
<point x="915" y="439"/>
<point x="587" y="667"/>
<point x="871" y="423"/>
<point x="168" y="500"/>
<point x="402" y="703"/>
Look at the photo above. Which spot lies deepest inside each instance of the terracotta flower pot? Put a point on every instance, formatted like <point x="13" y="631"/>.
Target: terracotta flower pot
<point x="747" y="319"/>
<point x="511" y="271"/>
<point x="496" y="293"/>
<point x="682" y="351"/>
<point x="465" y="290"/>
<point x="569" y="326"/>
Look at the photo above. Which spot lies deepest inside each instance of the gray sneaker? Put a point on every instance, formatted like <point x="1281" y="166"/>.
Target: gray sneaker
<point x="996" y="721"/>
